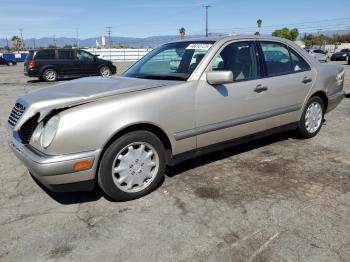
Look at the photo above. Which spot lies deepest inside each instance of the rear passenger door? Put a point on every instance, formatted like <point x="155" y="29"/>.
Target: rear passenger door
<point x="287" y="81"/>
<point x="67" y="65"/>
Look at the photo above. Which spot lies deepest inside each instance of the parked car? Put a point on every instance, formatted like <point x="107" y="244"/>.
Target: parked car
<point x="318" y="54"/>
<point x="342" y="55"/>
<point x="52" y="64"/>
<point x="3" y="61"/>
<point x="121" y="132"/>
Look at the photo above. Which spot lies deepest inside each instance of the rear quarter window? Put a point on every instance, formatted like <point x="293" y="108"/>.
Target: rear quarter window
<point x="29" y="56"/>
<point x="46" y="54"/>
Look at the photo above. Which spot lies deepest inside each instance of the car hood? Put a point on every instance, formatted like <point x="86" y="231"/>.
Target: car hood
<point x="80" y="91"/>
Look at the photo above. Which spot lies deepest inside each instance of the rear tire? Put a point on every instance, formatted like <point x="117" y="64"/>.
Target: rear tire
<point x="312" y="118"/>
<point x="50" y="75"/>
<point x="132" y="166"/>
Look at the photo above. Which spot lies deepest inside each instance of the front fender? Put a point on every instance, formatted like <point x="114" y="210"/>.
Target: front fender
<point x="90" y="126"/>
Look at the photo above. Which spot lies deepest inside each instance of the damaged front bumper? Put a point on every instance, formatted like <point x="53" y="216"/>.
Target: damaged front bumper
<point x="57" y="172"/>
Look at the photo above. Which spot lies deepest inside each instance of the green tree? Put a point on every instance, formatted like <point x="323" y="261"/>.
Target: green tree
<point x="51" y="46"/>
<point x="182" y="32"/>
<point x="291" y="34"/>
<point x="68" y="46"/>
<point x="259" y="22"/>
<point x="17" y="43"/>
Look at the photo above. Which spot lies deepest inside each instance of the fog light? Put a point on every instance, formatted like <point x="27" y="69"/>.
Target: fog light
<point x="82" y="165"/>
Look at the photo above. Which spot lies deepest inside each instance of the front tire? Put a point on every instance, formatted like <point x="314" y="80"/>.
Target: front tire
<point x="105" y="71"/>
<point x="312" y="118"/>
<point x="132" y="166"/>
<point x="50" y="75"/>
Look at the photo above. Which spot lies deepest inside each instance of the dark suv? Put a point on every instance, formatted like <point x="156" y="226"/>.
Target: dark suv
<point x="51" y="64"/>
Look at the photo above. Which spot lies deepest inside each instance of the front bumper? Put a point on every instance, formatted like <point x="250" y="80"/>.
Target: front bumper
<point x="114" y="69"/>
<point x="56" y="172"/>
<point x="334" y="100"/>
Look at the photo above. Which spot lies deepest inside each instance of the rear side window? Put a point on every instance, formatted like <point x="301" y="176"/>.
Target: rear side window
<point x="46" y="54"/>
<point x="277" y="58"/>
<point x="241" y="59"/>
<point x="65" y="54"/>
<point x="298" y="63"/>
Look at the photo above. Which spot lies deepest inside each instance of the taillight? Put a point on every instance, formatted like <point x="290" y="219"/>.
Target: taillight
<point x="31" y="64"/>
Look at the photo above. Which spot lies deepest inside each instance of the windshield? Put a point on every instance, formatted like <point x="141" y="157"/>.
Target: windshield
<point x="344" y="50"/>
<point x="174" y="61"/>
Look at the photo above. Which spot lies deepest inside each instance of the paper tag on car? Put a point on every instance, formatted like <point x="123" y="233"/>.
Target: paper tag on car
<point x="199" y="46"/>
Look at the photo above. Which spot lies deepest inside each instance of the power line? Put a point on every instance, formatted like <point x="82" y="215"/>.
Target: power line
<point x="287" y="24"/>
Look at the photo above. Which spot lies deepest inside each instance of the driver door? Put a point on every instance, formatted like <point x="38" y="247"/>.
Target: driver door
<point x="87" y="63"/>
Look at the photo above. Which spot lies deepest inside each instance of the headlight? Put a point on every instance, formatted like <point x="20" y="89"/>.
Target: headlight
<point x="49" y="131"/>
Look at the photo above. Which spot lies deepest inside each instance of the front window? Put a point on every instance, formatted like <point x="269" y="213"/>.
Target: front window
<point x="174" y="61"/>
<point x="84" y="56"/>
<point x="241" y="59"/>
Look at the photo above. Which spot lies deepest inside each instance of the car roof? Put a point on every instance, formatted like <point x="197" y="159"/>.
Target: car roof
<point x="230" y="37"/>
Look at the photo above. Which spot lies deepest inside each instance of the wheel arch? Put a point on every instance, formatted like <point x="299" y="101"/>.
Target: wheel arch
<point x="154" y="129"/>
<point x="102" y="65"/>
<point x="48" y="67"/>
<point x="323" y="97"/>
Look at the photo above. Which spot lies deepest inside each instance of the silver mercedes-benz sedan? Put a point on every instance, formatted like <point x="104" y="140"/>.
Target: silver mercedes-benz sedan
<point x="182" y="100"/>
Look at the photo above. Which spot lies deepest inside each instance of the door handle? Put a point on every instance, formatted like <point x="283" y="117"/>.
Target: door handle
<point x="306" y="80"/>
<point x="260" y="88"/>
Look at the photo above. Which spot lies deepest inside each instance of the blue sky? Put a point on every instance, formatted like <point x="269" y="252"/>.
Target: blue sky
<point x="136" y="18"/>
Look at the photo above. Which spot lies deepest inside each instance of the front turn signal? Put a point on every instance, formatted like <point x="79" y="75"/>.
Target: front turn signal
<point x="83" y="165"/>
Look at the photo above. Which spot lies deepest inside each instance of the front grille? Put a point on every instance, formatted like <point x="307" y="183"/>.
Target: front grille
<point x="16" y="113"/>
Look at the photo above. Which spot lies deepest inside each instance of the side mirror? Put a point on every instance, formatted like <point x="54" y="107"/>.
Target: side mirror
<point x="219" y="77"/>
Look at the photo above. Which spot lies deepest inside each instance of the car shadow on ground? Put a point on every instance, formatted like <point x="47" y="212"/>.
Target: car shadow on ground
<point x="228" y="152"/>
<point x="33" y="81"/>
<point x="68" y="198"/>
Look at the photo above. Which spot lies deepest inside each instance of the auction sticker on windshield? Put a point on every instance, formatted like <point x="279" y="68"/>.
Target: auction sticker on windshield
<point x="199" y="46"/>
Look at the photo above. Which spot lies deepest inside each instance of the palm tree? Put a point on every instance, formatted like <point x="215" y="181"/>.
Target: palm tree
<point x="16" y="42"/>
<point x="259" y="22"/>
<point x="182" y="32"/>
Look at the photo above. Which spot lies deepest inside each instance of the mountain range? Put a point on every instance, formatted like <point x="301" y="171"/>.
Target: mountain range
<point x="134" y="42"/>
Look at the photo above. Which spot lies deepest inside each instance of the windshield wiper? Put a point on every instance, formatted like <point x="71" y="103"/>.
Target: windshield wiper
<point x="162" y="77"/>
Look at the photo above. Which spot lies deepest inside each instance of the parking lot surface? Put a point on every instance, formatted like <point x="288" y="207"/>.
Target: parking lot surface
<point x="276" y="199"/>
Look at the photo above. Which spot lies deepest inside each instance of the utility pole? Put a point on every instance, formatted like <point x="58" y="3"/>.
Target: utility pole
<point x="33" y="43"/>
<point x="21" y="31"/>
<point x="77" y="33"/>
<point x="109" y="31"/>
<point x="206" y="19"/>
<point x="7" y="44"/>
<point x="54" y="40"/>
